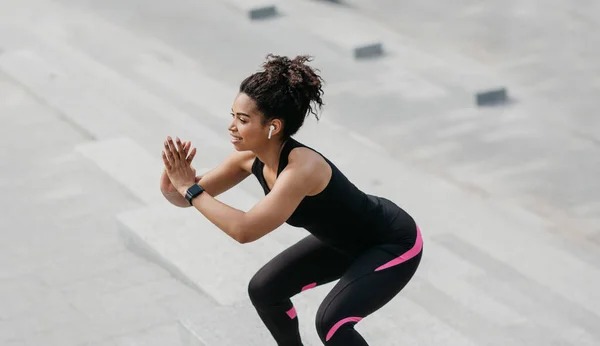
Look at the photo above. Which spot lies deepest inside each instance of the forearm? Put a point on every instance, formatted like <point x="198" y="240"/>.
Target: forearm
<point x="176" y="199"/>
<point x="228" y="219"/>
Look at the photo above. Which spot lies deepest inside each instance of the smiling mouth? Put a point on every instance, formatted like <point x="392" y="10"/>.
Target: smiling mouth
<point x="236" y="137"/>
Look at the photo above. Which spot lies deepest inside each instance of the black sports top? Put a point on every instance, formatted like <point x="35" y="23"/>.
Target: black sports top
<point x="342" y="215"/>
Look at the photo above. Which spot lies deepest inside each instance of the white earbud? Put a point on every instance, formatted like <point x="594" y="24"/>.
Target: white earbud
<point x="271" y="128"/>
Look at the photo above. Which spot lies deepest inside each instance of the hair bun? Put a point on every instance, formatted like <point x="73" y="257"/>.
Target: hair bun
<point x="295" y="71"/>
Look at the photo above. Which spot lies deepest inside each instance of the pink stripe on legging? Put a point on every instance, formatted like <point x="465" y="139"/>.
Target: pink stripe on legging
<point x="309" y="286"/>
<point x="339" y="324"/>
<point x="291" y="312"/>
<point x="407" y="255"/>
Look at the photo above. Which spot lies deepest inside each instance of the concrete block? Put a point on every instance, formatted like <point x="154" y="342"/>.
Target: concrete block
<point x="262" y="12"/>
<point x="255" y="9"/>
<point x="374" y="49"/>
<point x="358" y="44"/>
<point x="491" y="97"/>
<point x="341" y="27"/>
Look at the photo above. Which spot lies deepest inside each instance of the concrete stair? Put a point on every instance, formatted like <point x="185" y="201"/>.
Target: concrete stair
<point x="354" y="35"/>
<point x="172" y="333"/>
<point x="451" y="300"/>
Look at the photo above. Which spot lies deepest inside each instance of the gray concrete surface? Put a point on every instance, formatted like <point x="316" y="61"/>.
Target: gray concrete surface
<point x="507" y="197"/>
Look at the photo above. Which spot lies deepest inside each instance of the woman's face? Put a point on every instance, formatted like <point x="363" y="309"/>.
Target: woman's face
<point x="246" y="129"/>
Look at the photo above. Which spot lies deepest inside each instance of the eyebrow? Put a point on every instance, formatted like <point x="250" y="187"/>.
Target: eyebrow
<point x="240" y="113"/>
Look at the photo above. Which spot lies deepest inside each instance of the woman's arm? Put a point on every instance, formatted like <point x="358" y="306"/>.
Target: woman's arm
<point x="297" y="180"/>
<point x="270" y="212"/>
<point x="172" y="195"/>
<point x="233" y="170"/>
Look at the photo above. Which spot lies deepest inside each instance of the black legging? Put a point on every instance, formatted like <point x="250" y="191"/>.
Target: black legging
<point x="367" y="282"/>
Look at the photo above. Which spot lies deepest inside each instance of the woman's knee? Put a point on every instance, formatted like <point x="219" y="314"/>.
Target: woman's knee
<point x="329" y="323"/>
<point x="258" y="287"/>
<point x="322" y="322"/>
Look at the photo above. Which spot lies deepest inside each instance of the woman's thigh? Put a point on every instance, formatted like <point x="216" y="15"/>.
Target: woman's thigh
<point x="304" y="265"/>
<point x="374" y="279"/>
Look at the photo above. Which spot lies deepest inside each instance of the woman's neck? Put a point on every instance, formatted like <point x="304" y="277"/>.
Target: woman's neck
<point x="270" y="154"/>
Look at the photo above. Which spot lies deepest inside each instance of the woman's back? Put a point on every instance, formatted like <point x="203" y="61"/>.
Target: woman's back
<point x="342" y="215"/>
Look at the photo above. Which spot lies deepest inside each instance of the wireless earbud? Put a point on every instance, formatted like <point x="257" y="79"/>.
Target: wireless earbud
<point x="271" y="128"/>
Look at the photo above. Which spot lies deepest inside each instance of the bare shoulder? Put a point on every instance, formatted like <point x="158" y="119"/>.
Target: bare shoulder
<point x="311" y="166"/>
<point x="302" y="157"/>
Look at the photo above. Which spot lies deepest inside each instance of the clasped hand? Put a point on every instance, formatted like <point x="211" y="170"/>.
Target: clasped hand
<point x="178" y="164"/>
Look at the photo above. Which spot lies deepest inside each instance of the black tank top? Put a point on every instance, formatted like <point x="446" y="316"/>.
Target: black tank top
<point x="342" y="215"/>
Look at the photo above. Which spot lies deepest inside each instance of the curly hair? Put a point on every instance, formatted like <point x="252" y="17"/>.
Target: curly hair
<point x="285" y="89"/>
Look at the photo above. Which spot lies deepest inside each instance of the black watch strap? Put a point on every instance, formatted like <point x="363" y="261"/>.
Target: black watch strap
<point x="193" y="192"/>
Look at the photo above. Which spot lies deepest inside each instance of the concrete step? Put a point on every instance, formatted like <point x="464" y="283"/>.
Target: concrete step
<point x="108" y="106"/>
<point x="207" y="246"/>
<point x="93" y="97"/>
<point x="128" y="163"/>
<point x="239" y="324"/>
<point x="171" y="333"/>
<point x="403" y="321"/>
<point x="344" y="28"/>
<point x="255" y="9"/>
<point x="189" y="337"/>
<point x="406" y="61"/>
<point x="196" y="251"/>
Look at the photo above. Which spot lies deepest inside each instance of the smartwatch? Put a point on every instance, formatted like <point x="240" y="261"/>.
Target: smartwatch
<point x="193" y="192"/>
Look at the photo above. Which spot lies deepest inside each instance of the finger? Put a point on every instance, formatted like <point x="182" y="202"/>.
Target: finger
<point x="180" y="148"/>
<point x="169" y="152"/>
<point x="191" y="157"/>
<point x="186" y="147"/>
<point x="172" y="148"/>
<point x="166" y="161"/>
<point x="188" y="154"/>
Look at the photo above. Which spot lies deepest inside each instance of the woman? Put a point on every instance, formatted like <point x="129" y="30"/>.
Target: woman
<point x="370" y="244"/>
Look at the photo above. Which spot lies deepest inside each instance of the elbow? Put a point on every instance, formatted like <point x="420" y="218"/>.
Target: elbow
<point x="240" y="234"/>
<point x="242" y="240"/>
<point x="244" y="235"/>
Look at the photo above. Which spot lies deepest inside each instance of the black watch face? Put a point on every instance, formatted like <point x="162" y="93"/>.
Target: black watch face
<point x="194" y="191"/>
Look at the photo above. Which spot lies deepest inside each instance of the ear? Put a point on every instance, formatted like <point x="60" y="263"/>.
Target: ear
<point x="277" y="124"/>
